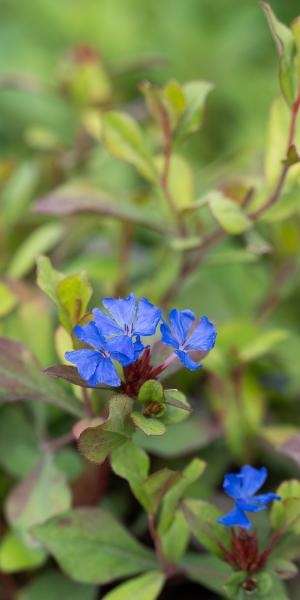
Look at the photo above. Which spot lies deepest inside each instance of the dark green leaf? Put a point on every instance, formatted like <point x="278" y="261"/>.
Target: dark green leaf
<point x="21" y="379"/>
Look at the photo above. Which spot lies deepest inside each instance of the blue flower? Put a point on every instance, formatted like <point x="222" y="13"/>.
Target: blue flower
<point x="129" y="318"/>
<point x="184" y="339"/>
<point x="242" y="487"/>
<point x="95" y="365"/>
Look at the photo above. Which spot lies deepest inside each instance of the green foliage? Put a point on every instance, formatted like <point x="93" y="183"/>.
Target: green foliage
<point x="144" y="587"/>
<point x="91" y="547"/>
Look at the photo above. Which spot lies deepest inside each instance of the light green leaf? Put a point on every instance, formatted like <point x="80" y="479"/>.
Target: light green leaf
<point x="124" y="139"/>
<point x="42" y="239"/>
<point x="151" y="391"/>
<point x="202" y="519"/>
<point x="286" y="49"/>
<point x="177" y="408"/>
<point x="52" y="585"/>
<point x="180" y="180"/>
<point x="147" y="425"/>
<point x="176" y="539"/>
<point x="92" y="547"/>
<point x="263" y="344"/>
<point x="96" y="443"/>
<point x="144" y="587"/>
<point x="133" y="464"/>
<point x="195" y="95"/>
<point x="228" y="214"/>
<point x="295" y="28"/>
<point x="48" y="278"/>
<point x="43" y="494"/>
<point x="285" y="514"/>
<point x="19" y="191"/>
<point x="73" y="293"/>
<point x="157" y="485"/>
<point x="16" y="556"/>
<point x="190" y="474"/>
<point x="278" y="126"/>
<point x="8" y="300"/>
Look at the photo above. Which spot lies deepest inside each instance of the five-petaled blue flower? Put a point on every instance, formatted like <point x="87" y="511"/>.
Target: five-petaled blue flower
<point x="242" y="487"/>
<point x="128" y="318"/>
<point x="95" y="365"/>
<point x="184" y="338"/>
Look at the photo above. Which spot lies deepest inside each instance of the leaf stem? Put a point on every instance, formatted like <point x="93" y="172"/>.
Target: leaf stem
<point x="167" y="568"/>
<point x="58" y="443"/>
<point x="87" y="402"/>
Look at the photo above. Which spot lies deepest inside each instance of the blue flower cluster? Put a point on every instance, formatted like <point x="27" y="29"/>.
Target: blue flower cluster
<point x="242" y="487"/>
<point x="115" y="335"/>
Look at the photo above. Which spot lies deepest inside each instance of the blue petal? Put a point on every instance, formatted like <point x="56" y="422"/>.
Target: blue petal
<point x="203" y="336"/>
<point x="232" y="485"/>
<point x="121" y="309"/>
<point x="105" y="324"/>
<point x="167" y="337"/>
<point x="256" y="503"/>
<point x="187" y="361"/>
<point x="121" y="349"/>
<point x="105" y="373"/>
<point x="86" y="361"/>
<point x="181" y="321"/>
<point x="138" y="348"/>
<point x="235" y="517"/>
<point x="147" y="318"/>
<point x="90" y="335"/>
<point x="253" y="479"/>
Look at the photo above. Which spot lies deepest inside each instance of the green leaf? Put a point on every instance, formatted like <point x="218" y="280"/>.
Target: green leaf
<point x="132" y="463"/>
<point x="278" y="126"/>
<point x="8" y="300"/>
<point x="180" y="180"/>
<point x="20" y="452"/>
<point x="124" y="139"/>
<point x="202" y="519"/>
<point x="43" y="494"/>
<point x="19" y="191"/>
<point x="52" y="585"/>
<point x="73" y="294"/>
<point x="176" y="539"/>
<point x="195" y="93"/>
<point x="190" y="474"/>
<point x="295" y="28"/>
<point x="157" y="485"/>
<point x="286" y="49"/>
<point x="151" y="391"/>
<point x="263" y="344"/>
<point x="16" y="556"/>
<point x="48" y="278"/>
<point x="207" y="570"/>
<point x="285" y="514"/>
<point x="147" y="425"/>
<point x="42" y="239"/>
<point x="70" y="293"/>
<point x="179" y="439"/>
<point x="177" y="407"/>
<point x="96" y="443"/>
<point x="228" y="214"/>
<point x="286" y="206"/>
<point x="265" y="584"/>
<point x="92" y="547"/>
<point x="21" y="379"/>
<point x="144" y="587"/>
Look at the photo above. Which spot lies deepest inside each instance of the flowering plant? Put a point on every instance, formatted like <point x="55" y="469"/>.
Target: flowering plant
<point x="119" y="447"/>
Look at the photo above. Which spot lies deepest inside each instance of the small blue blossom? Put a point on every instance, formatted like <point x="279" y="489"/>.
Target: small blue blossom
<point x="185" y="338"/>
<point x="95" y="365"/>
<point x="129" y="318"/>
<point x="242" y="487"/>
